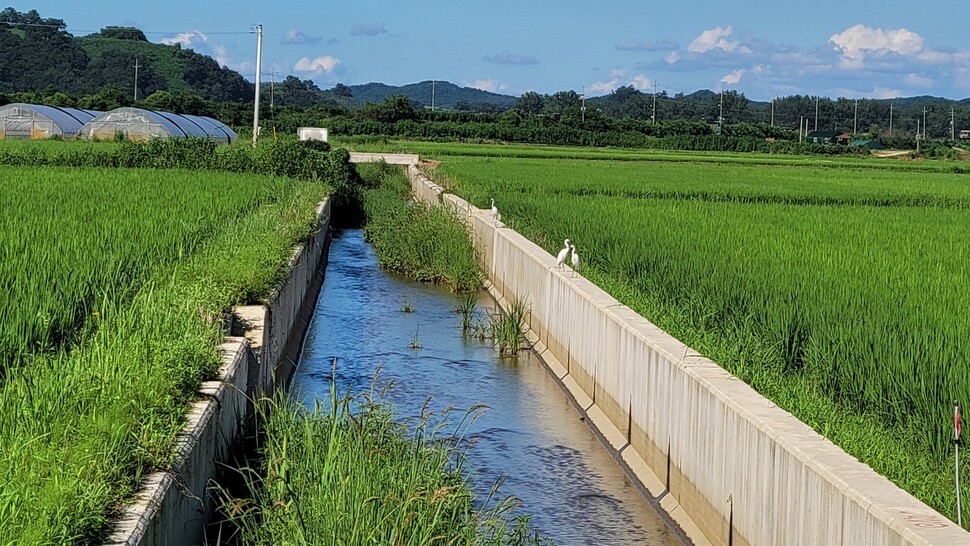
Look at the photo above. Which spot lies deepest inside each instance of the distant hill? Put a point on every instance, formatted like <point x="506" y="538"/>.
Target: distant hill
<point x="446" y="95"/>
<point x="38" y="54"/>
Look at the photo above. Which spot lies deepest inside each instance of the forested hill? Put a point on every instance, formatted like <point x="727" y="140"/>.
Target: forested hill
<point x="446" y="95"/>
<point x="38" y="54"/>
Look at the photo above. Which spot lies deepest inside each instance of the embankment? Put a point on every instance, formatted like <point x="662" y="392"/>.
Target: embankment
<point x="726" y="463"/>
<point x="174" y="506"/>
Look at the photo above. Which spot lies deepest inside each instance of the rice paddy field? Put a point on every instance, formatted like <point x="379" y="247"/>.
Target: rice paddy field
<point x="114" y="285"/>
<point x="836" y="288"/>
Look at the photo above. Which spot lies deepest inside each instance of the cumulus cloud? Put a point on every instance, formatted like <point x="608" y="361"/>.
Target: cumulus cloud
<point x="672" y="57"/>
<point x="619" y="78"/>
<point x="856" y="42"/>
<point x="297" y="36"/>
<point x="324" y="64"/>
<point x="658" y="45"/>
<point x="487" y="85"/>
<point x="716" y="39"/>
<point x="369" y="29"/>
<point x="732" y="78"/>
<point x="511" y="58"/>
<point x="191" y="39"/>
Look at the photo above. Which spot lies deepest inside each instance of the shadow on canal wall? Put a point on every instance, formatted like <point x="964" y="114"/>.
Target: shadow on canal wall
<point x="173" y="507"/>
<point x="727" y="464"/>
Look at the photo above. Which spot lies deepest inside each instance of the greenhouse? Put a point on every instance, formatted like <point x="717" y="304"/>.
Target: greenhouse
<point x="35" y="121"/>
<point x="139" y="124"/>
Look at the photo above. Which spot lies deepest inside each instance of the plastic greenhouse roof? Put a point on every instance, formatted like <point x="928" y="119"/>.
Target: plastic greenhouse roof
<point x="69" y="120"/>
<point x="174" y="124"/>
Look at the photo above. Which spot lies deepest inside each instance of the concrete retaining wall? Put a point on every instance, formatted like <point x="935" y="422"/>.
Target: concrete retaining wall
<point x="726" y="463"/>
<point x="173" y="507"/>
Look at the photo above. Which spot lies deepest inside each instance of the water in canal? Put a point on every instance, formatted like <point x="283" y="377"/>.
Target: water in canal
<point x="531" y="436"/>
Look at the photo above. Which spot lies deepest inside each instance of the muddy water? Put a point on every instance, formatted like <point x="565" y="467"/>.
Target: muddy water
<point x="531" y="436"/>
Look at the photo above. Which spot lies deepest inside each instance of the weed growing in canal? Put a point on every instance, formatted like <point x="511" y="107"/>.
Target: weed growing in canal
<point x="415" y="341"/>
<point x="407" y="307"/>
<point x="352" y="474"/>
<point x="507" y="330"/>
<point x="466" y="308"/>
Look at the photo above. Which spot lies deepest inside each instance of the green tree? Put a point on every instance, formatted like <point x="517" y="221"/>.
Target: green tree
<point x="530" y="103"/>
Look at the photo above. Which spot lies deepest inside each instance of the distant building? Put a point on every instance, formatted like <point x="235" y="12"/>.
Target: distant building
<point x="871" y="144"/>
<point x="964" y="133"/>
<point x="828" y="137"/>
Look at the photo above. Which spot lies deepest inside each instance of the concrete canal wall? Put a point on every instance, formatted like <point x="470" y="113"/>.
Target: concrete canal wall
<point x="725" y="462"/>
<point x="173" y="507"/>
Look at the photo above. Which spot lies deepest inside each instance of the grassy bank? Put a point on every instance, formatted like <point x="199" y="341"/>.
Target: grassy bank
<point x="349" y="473"/>
<point x="428" y="244"/>
<point x="836" y="293"/>
<point x="133" y="270"/>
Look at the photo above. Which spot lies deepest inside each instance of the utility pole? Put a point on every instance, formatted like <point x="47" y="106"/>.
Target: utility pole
<point x="801" y="122"/>
<point x="816" y="112"/>
<point x="772" y="110"/>
<point x="917" y="135"/>
<point x="582" y="109"/>
<point x="952" y="125"/>
<point x="653" y="117"/>
<point x="136" y="79"/>
<point x="259" y="67"/>
<point x="855" y="118"/>
<point x="720" y="113"/>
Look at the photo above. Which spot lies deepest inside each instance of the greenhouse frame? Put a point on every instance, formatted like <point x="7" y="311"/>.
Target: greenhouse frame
<point x="37" y="121"/>
<point x="139" y="124"/>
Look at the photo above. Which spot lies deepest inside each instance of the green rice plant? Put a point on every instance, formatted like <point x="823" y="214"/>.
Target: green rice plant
<point x="507" y="329"/>
<point x="83" y="420"/>
<point x="349" y="473"/>
<point x="836" y="292"/>
<point x="466" y="308"/>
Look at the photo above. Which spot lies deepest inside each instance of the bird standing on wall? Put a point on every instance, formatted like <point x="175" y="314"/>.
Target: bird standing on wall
<point x="495" y="215"/>
<point x="575" y="259"/>
<point x="561" y="257"/>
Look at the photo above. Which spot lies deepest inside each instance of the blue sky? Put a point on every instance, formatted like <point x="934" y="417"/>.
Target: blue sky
<point x="763" y="49"/>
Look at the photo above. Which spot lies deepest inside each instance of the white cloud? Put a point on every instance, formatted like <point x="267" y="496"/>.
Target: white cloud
<point x="324" y="64"/>
<point x="487" y="85"/>
<point x="641" y="82"/>
<point x="297" y="36"/>
<point x="192" y="38"/>
<point x="716" y="38"/>
<point x="885" y="93"/>
<point x="369" y="29"/>
<point x="915" y="80"/>
<point x="672" y="57"/>
<point x="855" y="42"/>
<point x="732" y="78"/>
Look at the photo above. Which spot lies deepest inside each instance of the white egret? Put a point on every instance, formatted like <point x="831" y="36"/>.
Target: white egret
<point x="575" y="259"/>
<point x="495" y="215"/>
<point x="561" y="257"/>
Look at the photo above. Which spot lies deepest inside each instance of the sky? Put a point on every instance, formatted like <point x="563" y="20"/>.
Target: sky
<point x="860" y="49"/>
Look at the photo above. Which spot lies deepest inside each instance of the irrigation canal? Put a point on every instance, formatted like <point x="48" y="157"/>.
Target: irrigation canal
<point x="532" y="436"/>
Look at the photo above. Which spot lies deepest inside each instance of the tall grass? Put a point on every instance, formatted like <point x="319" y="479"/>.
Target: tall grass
<point x="426" y="243"/>
<point x="845" y="308"/>
<point x="81" y="424"/>
<point x="349" y="473"/>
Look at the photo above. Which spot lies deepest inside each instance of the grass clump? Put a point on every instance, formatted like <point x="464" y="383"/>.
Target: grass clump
<point x="350" y="473"/>
<point x="426" y="243"/>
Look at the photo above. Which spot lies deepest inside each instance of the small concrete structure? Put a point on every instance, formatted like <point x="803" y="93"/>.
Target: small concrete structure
<point x="727" y="464"/>
<point x="312" y="133"/>
<point x="173" y="507"/>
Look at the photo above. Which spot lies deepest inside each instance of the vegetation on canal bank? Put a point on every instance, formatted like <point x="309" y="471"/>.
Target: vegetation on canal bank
<point x="350" y="473"/>
<point x="426" y="243"/>
<point x="132" y="271"/>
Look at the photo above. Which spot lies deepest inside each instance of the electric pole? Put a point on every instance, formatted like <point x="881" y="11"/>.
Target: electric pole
<point x="917" y="135"/>
<point x="582" y="109"/>
<point x="720" y="113"/>
<point x="952" y="125"/>
<point x="259" y="67"/>
<point x="653" y="117"/>
<point x="800" y="124"/>
<point x="136" y="79"/>
<point x="772" y="110"/>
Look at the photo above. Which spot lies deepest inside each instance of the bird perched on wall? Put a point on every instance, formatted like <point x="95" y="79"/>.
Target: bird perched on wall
<point x="561" y="257"/>
<point x="495" y="214"/>
<point x="575" y="258"/>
